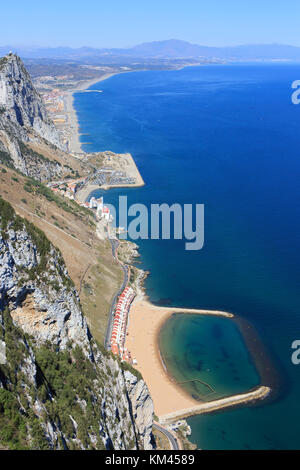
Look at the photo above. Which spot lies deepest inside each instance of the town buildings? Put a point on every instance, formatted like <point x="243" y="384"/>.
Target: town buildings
<point x="119" y="329"/>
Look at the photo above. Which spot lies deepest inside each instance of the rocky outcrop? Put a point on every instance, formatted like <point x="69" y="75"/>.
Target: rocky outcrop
<point x="142" y="408"/>
<point x="23" y="105"/>
<point x="43" y="304"/>
<point x="59" y="389"/>
<point x="71" y="394"/>
<point x="23" y="118"/>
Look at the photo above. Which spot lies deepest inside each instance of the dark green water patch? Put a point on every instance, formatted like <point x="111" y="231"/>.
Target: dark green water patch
<point x="207" y="356"/>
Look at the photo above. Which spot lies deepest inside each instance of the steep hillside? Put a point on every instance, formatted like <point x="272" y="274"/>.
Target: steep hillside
<point x="58" y="389"/>
<point x="72" y="229"/>
<point x="23" y="106"/>
<point x="29" y="141"/>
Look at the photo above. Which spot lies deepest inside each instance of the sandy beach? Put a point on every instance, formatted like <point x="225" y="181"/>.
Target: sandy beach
<point x="74" y="142"/>
<point x="128" y="164"/>
<point x="170" y="400"/>
<point x="83" y="194"/>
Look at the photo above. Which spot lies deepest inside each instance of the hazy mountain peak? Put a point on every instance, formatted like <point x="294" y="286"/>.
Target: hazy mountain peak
<point x="165" y="49"/>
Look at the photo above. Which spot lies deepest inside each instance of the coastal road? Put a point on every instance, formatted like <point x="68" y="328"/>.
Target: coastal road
<point x="169" y="436"/>
<point x="114" y="246"/>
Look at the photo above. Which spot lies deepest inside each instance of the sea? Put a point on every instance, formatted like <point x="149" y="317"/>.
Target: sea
<point x="226" y="136"/>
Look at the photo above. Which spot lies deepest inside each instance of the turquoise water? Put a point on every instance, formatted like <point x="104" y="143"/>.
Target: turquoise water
<point x="228" y="137"/>
<point x="210" y="352"/>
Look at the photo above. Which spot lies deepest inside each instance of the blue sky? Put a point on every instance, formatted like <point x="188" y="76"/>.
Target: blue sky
<point x="122" y="23"/>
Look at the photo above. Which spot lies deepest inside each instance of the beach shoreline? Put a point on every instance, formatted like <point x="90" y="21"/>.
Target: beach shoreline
<point x="171" y="401"/>
<point x="74" y="143"/>
<point x="75" y="146"/>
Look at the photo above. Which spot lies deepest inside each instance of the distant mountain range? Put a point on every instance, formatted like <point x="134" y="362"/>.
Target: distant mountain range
<point x="170" y="49"/>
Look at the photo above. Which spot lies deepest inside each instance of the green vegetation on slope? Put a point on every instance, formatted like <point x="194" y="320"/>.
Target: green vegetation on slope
<point x="35" y="155"/>
<point x="6" y="159"/>
<point x="3" y="61"/>
<point x="17" y="425"/>
<point x="33" y="186"/>
<point x="9" y="219"/>
<point x="68" y="385"/>
<point x="64" y="386"/>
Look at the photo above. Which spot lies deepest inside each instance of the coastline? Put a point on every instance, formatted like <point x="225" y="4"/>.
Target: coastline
<point x="131" y="170"/>
<point x="134" y="171"/>
<point x="74" y="143"/>
<point x="171" y="401"/>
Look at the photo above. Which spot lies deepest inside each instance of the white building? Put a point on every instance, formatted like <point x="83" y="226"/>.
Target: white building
<point x="93" y="203"/>
<point x="100" y="206"/>
<point x="106" y="213"/>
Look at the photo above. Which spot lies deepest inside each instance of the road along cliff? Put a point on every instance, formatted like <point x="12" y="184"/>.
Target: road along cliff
<point x="59" y="388"/>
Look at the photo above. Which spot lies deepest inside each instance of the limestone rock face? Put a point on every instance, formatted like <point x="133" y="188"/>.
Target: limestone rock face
<point x="70" y="393"/>
<point x="142" y="408"/>
<point x="39" y="300"/>
<point x="24" y="107"/>
<point x="42" y="304"/>
<point x="24" y="119"/>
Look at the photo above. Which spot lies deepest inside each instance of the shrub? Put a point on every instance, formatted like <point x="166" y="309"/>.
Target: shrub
<point x="6" y="160"/>
<point x="126" y="366"/>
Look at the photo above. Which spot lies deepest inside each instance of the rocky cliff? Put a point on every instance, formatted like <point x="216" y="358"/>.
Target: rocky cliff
<point x="24" y="119"/>
<point x="58" y="388"/>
